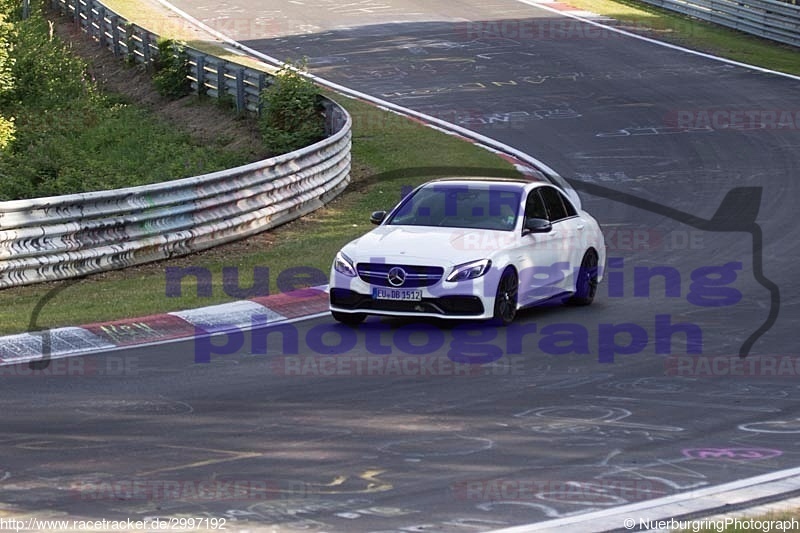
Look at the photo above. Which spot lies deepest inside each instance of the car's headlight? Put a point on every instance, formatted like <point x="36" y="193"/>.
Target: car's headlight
<point x="471" y="270"/>
<point x="344" y="265"/>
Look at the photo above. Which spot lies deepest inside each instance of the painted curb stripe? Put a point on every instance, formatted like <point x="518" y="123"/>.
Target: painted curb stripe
<point x="63" y="341"/>
<point x="241" y="315"/>
<point x="133" y="331"/>
<point x="16" y="346"/>
<point x="296" y="303"/>
<point x="156" y="329"/>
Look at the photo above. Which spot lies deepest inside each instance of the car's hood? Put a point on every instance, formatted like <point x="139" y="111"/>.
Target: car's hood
<point x="426" y="245"/>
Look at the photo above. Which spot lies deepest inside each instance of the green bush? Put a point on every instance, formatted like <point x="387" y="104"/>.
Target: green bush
<point x="59" y="134"/>
<point x="292" y="115"/>
<point x="6" y="132"/>
<point x="7" y="36"/>
<point x="44" y="73"/>
<point x="172" y="70"/>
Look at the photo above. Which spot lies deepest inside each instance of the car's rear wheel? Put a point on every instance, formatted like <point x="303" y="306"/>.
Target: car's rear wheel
<point x="505" y="301"/>
<point x="350" y="319"/>
<point x="586" y="282"/>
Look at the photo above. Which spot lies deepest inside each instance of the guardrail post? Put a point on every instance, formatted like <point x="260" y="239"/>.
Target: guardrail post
<point x="76" y="14"/>
<point x="115" y="35"/>
<point x="222" y="86"/>
<point x="200" y="74"/>
<point x="262" y="84"/>
<point x="101" y="22"/>
<point x="241" y="104"/>
<point x="146" y="48"/>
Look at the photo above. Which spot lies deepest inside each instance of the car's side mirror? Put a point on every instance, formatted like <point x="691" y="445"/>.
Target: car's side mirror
<point x="377" y="217"/>
<point x="536" y="225"/>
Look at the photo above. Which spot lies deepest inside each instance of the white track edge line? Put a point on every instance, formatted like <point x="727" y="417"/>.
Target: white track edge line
<point x="659" y="502"/>
<point x="541" y="166"/>
<point x="450" y="127"/>
<point x="650" y="40"/>
<point x="162" y="342"/>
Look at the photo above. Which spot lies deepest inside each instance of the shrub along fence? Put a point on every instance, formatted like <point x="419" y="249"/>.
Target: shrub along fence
<point x="60" y="237"/>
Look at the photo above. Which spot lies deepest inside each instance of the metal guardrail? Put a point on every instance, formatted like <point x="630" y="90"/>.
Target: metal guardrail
<point x="210" y="75"/>
<point x="772" y="19"/>
<point x="61" y="237"/>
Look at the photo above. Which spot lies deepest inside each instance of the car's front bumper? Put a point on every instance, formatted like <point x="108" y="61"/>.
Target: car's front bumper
<point x="465" y="306"/>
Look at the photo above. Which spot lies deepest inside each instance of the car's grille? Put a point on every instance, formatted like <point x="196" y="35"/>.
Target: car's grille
<point x="415" y="276"/>
<point x="445" y="305"/>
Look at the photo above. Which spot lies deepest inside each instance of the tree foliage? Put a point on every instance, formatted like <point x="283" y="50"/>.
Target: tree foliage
<point x="39" y="70"/>
<point x="7" y="37"/>
<point x="6" y="76"/>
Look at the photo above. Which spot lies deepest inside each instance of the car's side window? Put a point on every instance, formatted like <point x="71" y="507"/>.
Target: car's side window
<point x="554" y="203"/>
<point x="534" y="206"/>
<point x="571" y="212"/>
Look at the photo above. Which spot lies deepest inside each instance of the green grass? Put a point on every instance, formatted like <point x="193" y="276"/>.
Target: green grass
<point x="108" y="144"/>
<point x="382" y="143"/>
<point x="696" y="34"/>
<point x="71" y="138"/>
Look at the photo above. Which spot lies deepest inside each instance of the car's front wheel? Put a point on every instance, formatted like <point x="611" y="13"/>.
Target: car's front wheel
<point x="586" y="283"/>
<point x="505" y="301"/>
<point x="350" y="319"/>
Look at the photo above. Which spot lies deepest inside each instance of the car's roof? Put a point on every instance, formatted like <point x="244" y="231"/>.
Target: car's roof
<point x="489" y="179"/>
<point x="526" y="182"/>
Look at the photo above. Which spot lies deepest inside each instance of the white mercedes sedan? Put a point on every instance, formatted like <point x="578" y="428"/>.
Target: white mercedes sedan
<point x="470" y="248"/>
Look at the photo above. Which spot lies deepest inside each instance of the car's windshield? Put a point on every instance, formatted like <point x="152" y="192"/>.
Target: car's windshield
<point x="457" y="205"/>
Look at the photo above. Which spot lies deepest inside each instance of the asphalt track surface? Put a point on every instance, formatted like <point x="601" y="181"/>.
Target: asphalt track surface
<point x="535" y="434"/>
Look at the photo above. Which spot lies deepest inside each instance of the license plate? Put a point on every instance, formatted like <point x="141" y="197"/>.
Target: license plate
<point x="407" y="295"/>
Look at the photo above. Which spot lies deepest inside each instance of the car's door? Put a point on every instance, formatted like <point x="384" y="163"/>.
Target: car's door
<point x="545" y="264"/>
<point x="570" y="229"/>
